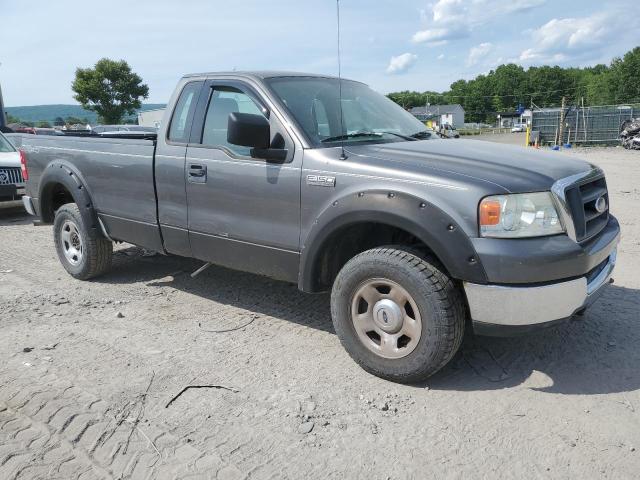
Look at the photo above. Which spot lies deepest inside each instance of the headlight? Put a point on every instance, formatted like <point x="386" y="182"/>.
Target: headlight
<point x="519" y="215"/>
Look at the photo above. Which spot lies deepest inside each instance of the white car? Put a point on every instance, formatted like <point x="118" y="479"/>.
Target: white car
<point x="518" y="127"/>
<point x="11" y="172"/>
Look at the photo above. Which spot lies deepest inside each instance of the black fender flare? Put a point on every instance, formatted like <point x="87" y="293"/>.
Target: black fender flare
<point x="66" y="174"/>
<point x="435" y="228"/>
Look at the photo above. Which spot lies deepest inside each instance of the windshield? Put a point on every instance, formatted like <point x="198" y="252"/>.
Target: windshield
<point x="5" y="145"/>
<point x="368" y="116"/>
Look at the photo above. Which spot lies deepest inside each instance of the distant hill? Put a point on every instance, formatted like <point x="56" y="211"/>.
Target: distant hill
<point x="48" y="113"/>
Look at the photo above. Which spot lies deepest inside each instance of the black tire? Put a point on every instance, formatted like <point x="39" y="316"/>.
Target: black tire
<point x="440" y="303"/>
<point x="96" y="251"/>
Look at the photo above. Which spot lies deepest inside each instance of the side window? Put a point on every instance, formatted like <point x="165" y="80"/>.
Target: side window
<point x="224" y="101"/>
<point x="181" y="119"/>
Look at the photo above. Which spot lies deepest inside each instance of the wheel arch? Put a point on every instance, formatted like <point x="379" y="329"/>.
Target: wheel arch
<point x="372" y="219"/>
<point x="61" y="183"/>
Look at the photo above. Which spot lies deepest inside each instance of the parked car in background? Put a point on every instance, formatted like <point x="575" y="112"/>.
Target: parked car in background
<point x="37" y="131"/>
<point x="448" y="131"/>
<point x="24" y="129"/>
<point x="48" y="131"/>
<point x="518" y="127"/>
<point x="11" y="171"/>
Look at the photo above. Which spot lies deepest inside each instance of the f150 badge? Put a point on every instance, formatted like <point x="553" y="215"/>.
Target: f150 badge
<point x="321" y="180"/>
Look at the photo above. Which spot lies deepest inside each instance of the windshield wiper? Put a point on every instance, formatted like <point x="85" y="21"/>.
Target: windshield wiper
<point x="351" y="135"/>
<point x="420" y="135"/>
<point x="365" y="134"/>
<point x="405" y="137"/>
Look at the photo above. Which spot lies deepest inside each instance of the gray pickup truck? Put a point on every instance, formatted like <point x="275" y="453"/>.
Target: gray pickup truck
<point x="416" y="237"/>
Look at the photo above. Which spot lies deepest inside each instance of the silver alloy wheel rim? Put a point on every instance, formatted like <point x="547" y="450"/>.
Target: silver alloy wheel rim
<point x="71" y="242"/>
<point x="386" y="318"/>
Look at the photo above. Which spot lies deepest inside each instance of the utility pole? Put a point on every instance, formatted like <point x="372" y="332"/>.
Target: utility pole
<point x="561" y="126"/>
<point x="3" y="117"/>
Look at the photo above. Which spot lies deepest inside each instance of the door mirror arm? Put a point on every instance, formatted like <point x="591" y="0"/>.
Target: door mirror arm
<point x="271" y="155"/>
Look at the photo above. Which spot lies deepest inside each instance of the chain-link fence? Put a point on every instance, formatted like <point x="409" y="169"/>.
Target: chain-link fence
<point x="582" y="125"/>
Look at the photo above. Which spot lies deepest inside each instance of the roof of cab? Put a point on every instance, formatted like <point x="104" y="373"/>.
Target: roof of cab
<point x="262" y="74"/>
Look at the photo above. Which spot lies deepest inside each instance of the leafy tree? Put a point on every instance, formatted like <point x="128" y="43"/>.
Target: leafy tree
<point x="626" y="77"/>
<point x="504" y="88"/>
<point x="58" y="121"/>
<point x="111" y="89"/>
<point x="75" y="120"/>
<point x="43" y="124"/>
<point x="408" y="99"/>
<point x="12" y="119"/>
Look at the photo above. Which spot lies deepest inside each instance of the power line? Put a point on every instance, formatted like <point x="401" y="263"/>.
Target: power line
<point x="534" y="94"/>
<point x="522" y="95"/>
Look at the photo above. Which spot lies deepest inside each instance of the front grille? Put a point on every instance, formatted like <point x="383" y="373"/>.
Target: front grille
<point x="10" y="176"/>
<point x="581" y="199"/>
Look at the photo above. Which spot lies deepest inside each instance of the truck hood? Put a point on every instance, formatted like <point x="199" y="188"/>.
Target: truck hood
<point x="9" y="159"/>
<point x="512" y="168"/>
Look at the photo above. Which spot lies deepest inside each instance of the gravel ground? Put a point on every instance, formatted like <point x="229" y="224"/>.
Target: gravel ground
<point x="87" y="370"/>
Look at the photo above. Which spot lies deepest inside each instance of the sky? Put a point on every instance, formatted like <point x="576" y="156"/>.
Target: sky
<point x="390" y="44"/>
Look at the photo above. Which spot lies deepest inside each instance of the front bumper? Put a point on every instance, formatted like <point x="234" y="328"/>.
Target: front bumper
<point x="11" y="192"/>
<point x="512" y="309"/>
<point x="28" y="205"/>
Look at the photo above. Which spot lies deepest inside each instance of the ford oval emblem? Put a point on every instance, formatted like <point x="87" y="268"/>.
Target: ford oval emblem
<point x="601" y="205"/>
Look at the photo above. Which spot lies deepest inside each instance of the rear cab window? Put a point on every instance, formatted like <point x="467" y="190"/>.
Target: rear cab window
<point x="180" y="127"/>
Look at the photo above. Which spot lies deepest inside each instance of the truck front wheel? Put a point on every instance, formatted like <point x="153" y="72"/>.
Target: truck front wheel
<point x="398" y="315"/>
<point x="84" y="255"/>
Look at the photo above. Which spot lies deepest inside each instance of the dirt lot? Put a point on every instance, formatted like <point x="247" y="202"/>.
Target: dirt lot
<point x="87" y="370"/>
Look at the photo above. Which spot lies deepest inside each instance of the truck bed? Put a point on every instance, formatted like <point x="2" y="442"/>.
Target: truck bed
<point x="117" y="172"/>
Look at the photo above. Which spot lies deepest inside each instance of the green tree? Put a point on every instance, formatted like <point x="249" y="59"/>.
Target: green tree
<point x="75" y="120"/>
<point x="626" y="77"/>
<point x="12" y="119"/>
<point x="58" y="121"/>
<point x="508" y="85"/>
<point x="111" y="89"/>
<point x="43" y="124"/>
<point x="600" y="89"/>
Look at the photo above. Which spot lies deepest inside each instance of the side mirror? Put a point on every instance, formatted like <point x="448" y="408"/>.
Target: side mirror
<point x="249" y="130"/>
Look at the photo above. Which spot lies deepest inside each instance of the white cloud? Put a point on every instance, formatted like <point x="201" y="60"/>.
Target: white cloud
<point x="447" y="20"/>
<point x="401" y="63"/>
<point x="479" y="53"/>
<point x="565" y="39"/>
<point x="573" y="33"/>
<point x="449" y="11"/>
<point x="434" y="37"/>
<point x="517" y="6"/>
<point x="441" y="56"/>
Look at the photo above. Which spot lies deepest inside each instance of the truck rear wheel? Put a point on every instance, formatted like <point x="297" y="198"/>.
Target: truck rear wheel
<point x="398" y="315"/>
<point x="83" y="254"/>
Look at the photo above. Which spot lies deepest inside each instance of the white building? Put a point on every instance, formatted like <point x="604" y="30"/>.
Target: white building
<point x="452" y="115"/>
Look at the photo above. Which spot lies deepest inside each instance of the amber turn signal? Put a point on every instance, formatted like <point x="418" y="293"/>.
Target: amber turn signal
<point x="489" y="212"/>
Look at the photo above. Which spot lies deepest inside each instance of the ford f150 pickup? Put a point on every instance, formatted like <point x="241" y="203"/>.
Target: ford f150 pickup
<point x="325" y="183"/>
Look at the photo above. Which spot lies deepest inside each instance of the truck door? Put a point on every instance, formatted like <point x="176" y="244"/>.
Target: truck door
<point x="244" y="212"/>
<point x="170" y="167"/>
